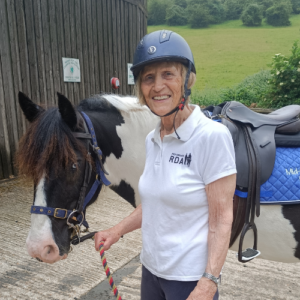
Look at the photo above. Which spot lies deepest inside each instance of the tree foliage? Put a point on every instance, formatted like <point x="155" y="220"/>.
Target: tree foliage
<point x="233" y="9"/>
<point x="252" y="15"/>
<point x="284" y="85"/>
<point x="279" y="13"/>
<point x="175" y="16"/>
<point x="157" y="12"/>
<point x="198" y="16"/>
<point x="296" y="6"/>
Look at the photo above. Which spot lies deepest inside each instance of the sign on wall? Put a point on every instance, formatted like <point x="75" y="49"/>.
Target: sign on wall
<point x="130" y="75"/>
<point x="71" y="68"/>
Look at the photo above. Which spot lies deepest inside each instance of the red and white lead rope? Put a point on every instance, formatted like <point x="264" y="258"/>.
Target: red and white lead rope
<point x="107" y="271"/>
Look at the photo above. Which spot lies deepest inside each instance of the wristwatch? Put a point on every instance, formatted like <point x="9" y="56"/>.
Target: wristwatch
<point x="212" y="278"/>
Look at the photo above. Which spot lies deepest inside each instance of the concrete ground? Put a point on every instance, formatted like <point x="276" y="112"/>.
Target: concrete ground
<point x="81" y="275"/>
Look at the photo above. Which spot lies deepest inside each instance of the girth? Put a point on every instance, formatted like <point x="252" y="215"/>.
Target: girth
<point x="75" y="218"/>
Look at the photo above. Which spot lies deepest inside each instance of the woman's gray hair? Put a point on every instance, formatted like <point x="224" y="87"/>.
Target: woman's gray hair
<point x="184" y="69"/>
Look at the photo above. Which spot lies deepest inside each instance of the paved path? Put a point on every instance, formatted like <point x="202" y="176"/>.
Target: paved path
<point x="81" y="276"/>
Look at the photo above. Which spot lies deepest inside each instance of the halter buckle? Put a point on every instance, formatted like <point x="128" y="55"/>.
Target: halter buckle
<point x="56" y="212"/>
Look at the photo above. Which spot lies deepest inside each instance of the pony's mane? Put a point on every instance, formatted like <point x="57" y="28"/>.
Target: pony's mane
<point x="48" y="145"/>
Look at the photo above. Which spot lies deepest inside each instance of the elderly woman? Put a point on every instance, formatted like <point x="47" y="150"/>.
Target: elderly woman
<point x="188" y="182"/>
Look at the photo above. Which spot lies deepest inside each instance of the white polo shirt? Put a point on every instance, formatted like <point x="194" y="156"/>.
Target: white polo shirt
<point x="174" y="202"/>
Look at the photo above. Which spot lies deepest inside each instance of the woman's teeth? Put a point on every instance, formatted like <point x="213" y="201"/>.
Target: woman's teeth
<point x="161" y="97"/>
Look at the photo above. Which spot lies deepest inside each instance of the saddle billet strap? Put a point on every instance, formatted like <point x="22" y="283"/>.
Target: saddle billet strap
<point x="239" y="210"/>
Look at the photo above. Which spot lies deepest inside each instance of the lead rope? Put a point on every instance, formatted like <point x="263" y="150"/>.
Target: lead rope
<point x="107" y="271"/>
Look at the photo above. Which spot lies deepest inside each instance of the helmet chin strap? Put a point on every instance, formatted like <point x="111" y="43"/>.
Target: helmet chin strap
<point x="187" y="93"/>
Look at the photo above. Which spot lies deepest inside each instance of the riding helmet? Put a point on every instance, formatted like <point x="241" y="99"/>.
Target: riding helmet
<point x="162" y="45"/>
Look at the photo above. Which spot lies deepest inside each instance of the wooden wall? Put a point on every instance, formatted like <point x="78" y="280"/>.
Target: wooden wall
<point x="36" y="34"/>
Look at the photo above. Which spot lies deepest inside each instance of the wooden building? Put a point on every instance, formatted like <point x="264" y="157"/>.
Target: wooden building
<point x="34" y="37"/>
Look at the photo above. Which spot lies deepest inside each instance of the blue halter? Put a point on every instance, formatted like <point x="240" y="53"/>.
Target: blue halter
<point x="61" y="213"/>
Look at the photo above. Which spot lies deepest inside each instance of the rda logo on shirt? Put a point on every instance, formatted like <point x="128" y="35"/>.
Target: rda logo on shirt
<point x="181" y="159"/>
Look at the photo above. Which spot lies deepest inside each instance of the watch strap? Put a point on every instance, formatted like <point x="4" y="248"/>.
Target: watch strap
<point x="211" y="277"/>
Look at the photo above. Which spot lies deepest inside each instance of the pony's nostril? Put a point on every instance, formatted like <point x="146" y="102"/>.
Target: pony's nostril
<point x="50" y="249"/>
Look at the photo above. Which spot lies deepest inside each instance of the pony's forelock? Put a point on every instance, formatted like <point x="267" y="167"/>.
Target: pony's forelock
<point x="48" y="145"/>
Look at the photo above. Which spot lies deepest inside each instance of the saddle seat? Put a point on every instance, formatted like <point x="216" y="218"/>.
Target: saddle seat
<point x="239" y="112"/>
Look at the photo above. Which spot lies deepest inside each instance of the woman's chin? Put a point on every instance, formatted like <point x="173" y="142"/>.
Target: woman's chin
<point x="161" y="110"/>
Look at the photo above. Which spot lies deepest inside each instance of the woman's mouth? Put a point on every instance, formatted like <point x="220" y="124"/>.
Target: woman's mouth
<point x="160" y="98"/>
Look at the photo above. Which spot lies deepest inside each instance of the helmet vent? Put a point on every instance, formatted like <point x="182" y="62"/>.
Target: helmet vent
<point x="165" y="36"/>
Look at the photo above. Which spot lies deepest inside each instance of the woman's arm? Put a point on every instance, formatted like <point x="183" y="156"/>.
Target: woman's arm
<point x="112" y="235"/>
<point x="220" y="201"/>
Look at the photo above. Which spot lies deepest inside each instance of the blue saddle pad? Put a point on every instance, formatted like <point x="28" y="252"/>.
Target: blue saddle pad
<point x="283" y="186"/>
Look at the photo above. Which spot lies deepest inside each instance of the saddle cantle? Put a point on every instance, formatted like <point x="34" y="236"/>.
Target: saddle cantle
<point x="255" y="137"/>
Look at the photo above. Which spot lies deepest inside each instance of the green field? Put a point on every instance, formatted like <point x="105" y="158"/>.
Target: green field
<point x="227" y="53"/>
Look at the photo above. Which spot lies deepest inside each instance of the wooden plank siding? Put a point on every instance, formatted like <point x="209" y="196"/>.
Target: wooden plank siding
<point x="37" y="34"/>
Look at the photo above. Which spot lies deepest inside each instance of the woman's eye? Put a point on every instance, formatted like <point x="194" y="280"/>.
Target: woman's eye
<point x="147" y="78"/>
<point x="74" y="166"/>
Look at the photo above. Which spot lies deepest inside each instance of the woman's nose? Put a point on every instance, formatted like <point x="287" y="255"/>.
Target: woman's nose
<point x="158" y="84"/>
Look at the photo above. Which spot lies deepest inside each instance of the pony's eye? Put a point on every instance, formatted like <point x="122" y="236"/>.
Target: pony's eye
<point x="74" y="166"/>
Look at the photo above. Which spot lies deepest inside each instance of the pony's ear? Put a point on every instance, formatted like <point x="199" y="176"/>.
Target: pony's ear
<point x="30" y="109"/>
<point x="67" y="111"/>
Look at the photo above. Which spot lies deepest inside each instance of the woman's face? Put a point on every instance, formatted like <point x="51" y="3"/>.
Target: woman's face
<point x="161" y="86"/>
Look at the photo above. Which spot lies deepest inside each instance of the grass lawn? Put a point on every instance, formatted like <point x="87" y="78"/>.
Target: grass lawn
<point x="225" y="54"/>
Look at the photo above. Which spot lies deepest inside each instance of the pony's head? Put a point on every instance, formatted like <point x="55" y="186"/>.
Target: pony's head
<point x="55" y="160"/>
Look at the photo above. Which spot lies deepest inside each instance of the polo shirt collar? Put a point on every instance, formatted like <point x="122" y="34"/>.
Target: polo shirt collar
<point x="185" y="130"/>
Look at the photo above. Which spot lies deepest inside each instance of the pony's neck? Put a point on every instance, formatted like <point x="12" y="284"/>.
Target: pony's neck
<point x="127" y="169"/>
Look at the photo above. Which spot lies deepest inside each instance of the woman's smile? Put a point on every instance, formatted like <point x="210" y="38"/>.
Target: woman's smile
<point x="161" y="86"/>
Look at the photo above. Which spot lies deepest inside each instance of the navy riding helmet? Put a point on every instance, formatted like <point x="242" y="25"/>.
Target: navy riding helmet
<point x="164" y="45"/>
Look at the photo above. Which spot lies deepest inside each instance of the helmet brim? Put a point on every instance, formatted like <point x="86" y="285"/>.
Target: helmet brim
<point x="138" y="67"/>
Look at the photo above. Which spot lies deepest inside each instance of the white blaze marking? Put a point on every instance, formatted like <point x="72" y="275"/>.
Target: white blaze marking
<point x="41" y="228"/>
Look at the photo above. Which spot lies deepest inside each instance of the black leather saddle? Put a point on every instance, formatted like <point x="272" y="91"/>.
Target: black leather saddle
<point x="255" y="138"/>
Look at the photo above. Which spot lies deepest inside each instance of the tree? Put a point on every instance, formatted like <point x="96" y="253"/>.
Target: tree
<point x="175" y="16"/>
<point x="198" y="16"/>
<point x="279" y="13"/>
<point x="181" y="3"/>
<point x="252" y="15"/>
<point x="157" y="11"/>
<point x="214" y="9"/>
<point x="296" y="6"/>
<point x="233" y="9"/>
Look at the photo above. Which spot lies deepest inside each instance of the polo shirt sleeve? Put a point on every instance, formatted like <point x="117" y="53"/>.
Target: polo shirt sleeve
<point x="218" y="159"/>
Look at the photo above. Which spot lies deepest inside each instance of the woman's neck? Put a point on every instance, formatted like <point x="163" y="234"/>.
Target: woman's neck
<point x="167" y="122"/>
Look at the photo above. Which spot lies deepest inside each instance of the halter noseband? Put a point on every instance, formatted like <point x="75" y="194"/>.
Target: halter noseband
<point x="84" y="199"/>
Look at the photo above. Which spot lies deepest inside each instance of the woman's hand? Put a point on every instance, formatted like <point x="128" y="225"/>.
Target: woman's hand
<point x="205" y="290"/>
<point x="109" y="237"/>
<point x="112" y="235"/>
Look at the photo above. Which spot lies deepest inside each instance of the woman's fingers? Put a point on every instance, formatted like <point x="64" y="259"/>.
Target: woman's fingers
<point x="107" y="237"/>
<point x="99" y="237"/>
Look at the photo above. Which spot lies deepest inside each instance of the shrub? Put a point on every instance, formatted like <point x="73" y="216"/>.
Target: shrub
<point x="265" y="5"/>
<point x="278" y="14"/>
<point x="157" y="11"/>
<point x="175" y="16"/>
<point x="251" y="90"/>
<point x="217" y="11"/>
<point x="285" y="81"/>
<point x="233" y="9"/>
<point x="296" y="6"/>
<point x="252" y="15"/>
<point x="199" y="16"/>
<point x="181" y="3"/>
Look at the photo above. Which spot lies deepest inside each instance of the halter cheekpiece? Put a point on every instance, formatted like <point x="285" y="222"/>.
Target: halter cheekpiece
<point x="77" y="214"/>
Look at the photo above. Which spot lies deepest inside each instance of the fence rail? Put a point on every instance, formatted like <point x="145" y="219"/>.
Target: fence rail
<point x="36" y="34"/>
